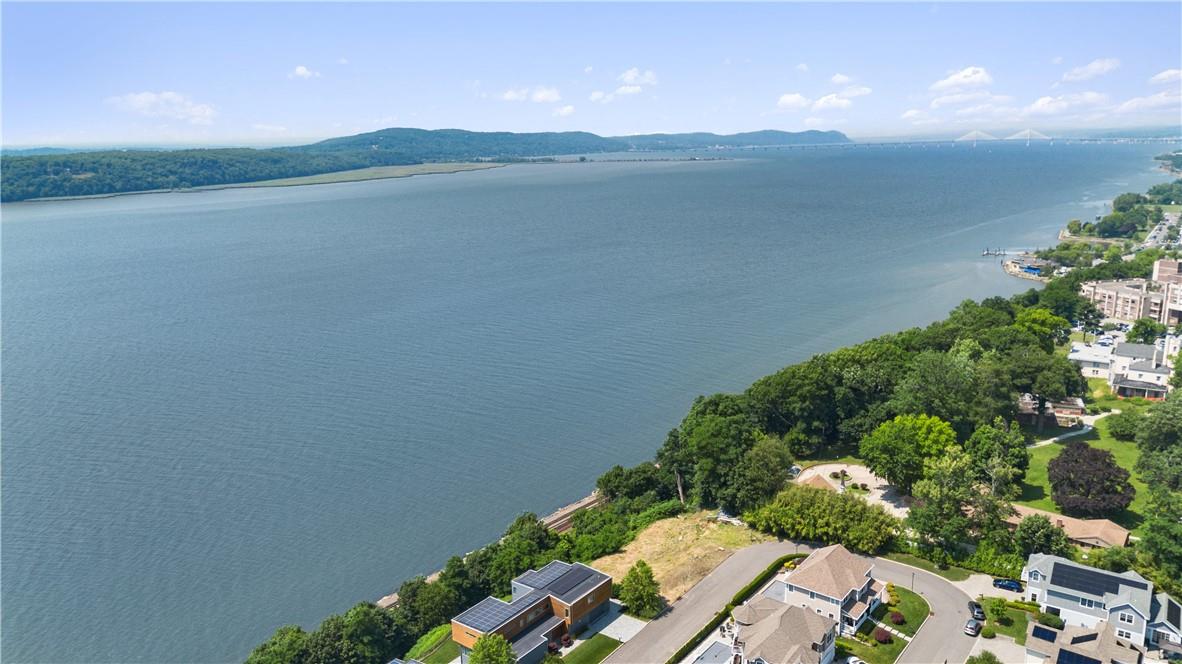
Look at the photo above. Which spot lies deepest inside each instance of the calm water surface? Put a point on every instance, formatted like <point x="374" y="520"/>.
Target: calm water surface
<point x="231" y="410"/>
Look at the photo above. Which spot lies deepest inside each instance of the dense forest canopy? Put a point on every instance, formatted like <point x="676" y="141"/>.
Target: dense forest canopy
<point x="45" y="175"/>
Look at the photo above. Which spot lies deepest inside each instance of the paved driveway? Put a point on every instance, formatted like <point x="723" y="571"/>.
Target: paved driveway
<point x="982" y="584"/>
<point x="657" y="642"/>
<point x="940" y="639"/>
<point x="880" y="492"/>
<point x="1004" y="647"/>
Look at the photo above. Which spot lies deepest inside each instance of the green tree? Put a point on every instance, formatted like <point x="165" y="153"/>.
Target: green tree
<point x="995" y="609"/>
<point x="1086" y="481"/>
<point x="1124" y="425"/>
<point x="1036" y="534"/>
<point x="491" y="649"/>
<point x="759" y="476"/>
<point x="717" y="443"/>
<point x="285" y="646"/>
<point x="1145" y="331"/>
<point x="1049" y="329"/>
<point x="1161" y="538"/>
<point x="1162" y="427"/>
<point x="938" y="513"/>
<point x="897" y="449"/>
<point x="942" y="385"/>
<point x="998" y="441"/>
<point x="983" y="657"/>
<point x="675" y="457"/>
<point x="640" y="593"/>
<point x="819" y="515"/>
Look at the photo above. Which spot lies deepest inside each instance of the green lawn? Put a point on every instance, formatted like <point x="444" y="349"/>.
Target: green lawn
<point x="1015" y="628"/>
<point x="428" y="642"/>
<point x="1036" y="488"/>
<point x="832" y="454"/>
<point x="951" y="573"/>
<point x="912" y="606"/>
<point x="873" y="653"/>
<point x="592" y="651"/>
<point x="446" y="652"/>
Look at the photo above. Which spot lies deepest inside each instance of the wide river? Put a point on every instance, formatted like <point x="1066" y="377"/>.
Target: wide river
<point x="230" y="410"/>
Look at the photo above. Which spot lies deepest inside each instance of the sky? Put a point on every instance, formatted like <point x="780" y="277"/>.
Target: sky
<point x="274" y="73"/>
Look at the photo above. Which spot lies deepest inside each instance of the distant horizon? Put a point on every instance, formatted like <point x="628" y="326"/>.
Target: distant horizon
<point x="999" y="133"/>
<point x="318" y="70"/>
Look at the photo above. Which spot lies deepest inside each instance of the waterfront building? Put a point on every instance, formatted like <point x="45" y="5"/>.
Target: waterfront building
<point x="558" y="599"/>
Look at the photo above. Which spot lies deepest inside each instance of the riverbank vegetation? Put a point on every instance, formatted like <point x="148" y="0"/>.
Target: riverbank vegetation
<point x="931" y="408"/>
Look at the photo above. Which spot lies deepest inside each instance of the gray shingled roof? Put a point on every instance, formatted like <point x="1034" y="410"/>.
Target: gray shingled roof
<point x="1139" y="351"/>
<point x="1149" y="366"/>
<point x="1076" y="579"/>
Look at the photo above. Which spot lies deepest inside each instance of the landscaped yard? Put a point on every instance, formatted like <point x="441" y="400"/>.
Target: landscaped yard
<point x="1036" y="489"/>
<point x="681" y="551"/>
<point x="912" y="606"/>
<point x="1016" y="627"/>
<point x="878" y="653"/>
<point x="833" y="454"/>
<point x="951" y="573"/>
<point x="435" y="647"/>
<point x="592" y="651"/>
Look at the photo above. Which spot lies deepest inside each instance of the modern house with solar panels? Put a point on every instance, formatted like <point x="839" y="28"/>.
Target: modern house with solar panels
<point x="1080" y="645"/>
<point x="1085" y="596"/>
<point x="560" y="598"/>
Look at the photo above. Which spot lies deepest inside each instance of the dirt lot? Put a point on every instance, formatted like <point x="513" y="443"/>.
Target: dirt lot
<point x="681" y="551"/>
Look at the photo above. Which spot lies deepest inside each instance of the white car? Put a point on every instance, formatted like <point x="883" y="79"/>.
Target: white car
<point x="853" y="660"/>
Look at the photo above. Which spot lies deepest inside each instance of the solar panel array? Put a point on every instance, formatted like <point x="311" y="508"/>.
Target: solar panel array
<point x="1085" y="638"/>
<point x="1068" y="657"/>
<point x="1173" y="613"/>
<point x="1045" y="634"/>
<point x="490" y="612"/>
<point x="565" y="583"/>
<point x="1093" y="582"/>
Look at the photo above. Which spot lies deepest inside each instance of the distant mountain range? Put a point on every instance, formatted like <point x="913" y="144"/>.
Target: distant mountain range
<point x="48" y="172"/>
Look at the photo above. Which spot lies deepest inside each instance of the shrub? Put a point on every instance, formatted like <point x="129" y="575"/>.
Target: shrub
<point x="988" y="632"/>
<point x="864" y="486"/>
<point x="834" y="475"/>
<point x="1050" y="620"/>
<point x="1124" y="425"/>
<point x="801" y="512"/>
<point x="882" y="636"/>
<point x="897" y="618"/>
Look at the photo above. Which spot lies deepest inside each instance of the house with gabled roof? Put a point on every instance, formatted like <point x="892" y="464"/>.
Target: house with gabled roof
<point x="772" y="632"/>
<point x="560" y="598"/>
<point x="836" y="584"/>
<point x="1165" y="624"/>
<point x="1085" y="596"/>
<point x="1080" y="645"/>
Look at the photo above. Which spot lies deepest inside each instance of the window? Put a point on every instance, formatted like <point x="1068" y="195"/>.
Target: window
<point x="1126" y="618"/>
<point x="1034" y="576"/>
<point x="1033" y="597"/>
<point x="1090" y="603"/>
<point x="1123" y="634"/>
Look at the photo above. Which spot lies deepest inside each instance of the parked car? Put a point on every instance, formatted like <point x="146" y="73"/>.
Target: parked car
<point x="972" y="627"/>
<point x="853" y="660"/>
<point x="1008" y="584"/>
<point x="976" y="611"/>
<point x="794" y="471"/>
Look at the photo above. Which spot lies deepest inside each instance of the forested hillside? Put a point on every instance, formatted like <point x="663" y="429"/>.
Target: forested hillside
<point x="117" y="171"/>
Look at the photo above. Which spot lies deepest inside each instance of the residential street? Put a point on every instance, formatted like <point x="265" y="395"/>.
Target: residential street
<point x="940" y="639"/>
<point x="663" y="636"/>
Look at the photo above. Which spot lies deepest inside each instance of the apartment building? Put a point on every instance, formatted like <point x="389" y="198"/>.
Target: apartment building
<point x="1126" y="299"/>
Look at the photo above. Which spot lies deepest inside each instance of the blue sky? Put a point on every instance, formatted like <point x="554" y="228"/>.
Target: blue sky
<point x="283" y="72"/>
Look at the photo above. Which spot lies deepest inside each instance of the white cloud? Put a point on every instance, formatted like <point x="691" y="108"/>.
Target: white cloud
<point x="515" y="94"/>
<point x="840" y="79"/>
<point x="628" y="90"/>
<point x="969" y="77"/>
<point x="913" y="114"/>
<point x="1163" y="99"/>
<point x="793" y="100"/>
<point x="269" y="128"/>
<point x="303" y="72"/>
<point x="854" y="91"/>
<point x="1057" y="60"/>
<point x="564" y="111"/>
<point x="636" y="77"/>
<point x="1091" y="70"/>
<point x="342" y="61"/>
<point x="1064" y="103"/>
<point x="958" y="98"/>
<point x="167" y="104"/>
<point x="598" y="95"/>
<point x="803" y="68"/>
<point x="545" y="95"/>
<point x="1167" y="76"/>
<point x="588" y="69"/>
<point x="831" y="101"/>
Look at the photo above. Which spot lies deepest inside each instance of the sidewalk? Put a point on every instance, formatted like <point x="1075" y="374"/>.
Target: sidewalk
<point x="892" y="630"/>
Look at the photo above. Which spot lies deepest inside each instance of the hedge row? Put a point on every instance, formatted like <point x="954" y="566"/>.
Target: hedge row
<point x="741" y="596"/>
